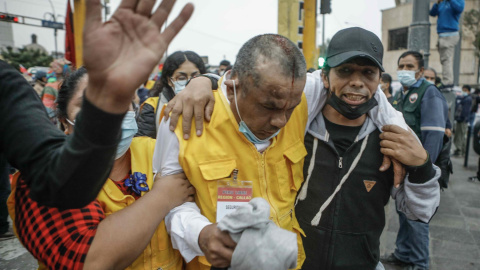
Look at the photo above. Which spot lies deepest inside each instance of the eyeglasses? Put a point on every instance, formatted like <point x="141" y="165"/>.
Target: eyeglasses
<point x="182" y="80"/>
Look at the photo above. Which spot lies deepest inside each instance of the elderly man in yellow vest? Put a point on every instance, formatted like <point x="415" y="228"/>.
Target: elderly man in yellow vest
<point x="249" y="133"/>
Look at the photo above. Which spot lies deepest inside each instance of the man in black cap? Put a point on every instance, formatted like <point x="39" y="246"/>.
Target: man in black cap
<point x="345" y="149"/>
<point x="340" y="206"/>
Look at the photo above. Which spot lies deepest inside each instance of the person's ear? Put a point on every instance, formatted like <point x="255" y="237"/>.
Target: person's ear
<point x="422" y="69"/>
<point x="326" y="83"/>
<point x="170" y="83"/>
<point x="66" y="126"/>
<point x="230" y="92"/>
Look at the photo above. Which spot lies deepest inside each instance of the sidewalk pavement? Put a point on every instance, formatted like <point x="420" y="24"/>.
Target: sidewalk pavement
<point x="455" y="228"/>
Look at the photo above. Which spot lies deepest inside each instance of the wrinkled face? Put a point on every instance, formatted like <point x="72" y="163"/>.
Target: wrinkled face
<point x="429" y="75"/>
<point x="410" y="63"/>
<point x="354" y="82"/>
<point x="266" y="108"/>
<point x="183" y="73"/>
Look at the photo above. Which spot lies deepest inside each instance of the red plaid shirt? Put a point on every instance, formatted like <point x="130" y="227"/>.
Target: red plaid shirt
<point x="58" y="239"/>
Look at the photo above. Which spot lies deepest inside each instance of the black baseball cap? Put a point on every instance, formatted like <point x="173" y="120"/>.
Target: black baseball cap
<point x="354" y="42"/>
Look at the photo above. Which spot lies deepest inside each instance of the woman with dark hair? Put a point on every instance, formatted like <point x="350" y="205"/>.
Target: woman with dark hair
<point x="117" y="230"/>
<point x="386" y="85"/>
<point x="178" y="69"/>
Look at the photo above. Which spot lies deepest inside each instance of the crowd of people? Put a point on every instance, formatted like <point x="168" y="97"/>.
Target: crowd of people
<point x="114" y="175"/>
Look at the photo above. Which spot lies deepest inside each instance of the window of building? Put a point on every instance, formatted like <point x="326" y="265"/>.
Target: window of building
<point x="398" y="39"/>
<point x="300" y="8"/>
<point x="300" y="30"/>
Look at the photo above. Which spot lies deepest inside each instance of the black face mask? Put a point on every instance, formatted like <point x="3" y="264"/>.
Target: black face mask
<point x="346" y="110"/>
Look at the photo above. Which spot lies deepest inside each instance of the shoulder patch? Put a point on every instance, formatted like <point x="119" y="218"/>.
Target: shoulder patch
<point x="369" y="184"/>
<point x="413" y="97"/>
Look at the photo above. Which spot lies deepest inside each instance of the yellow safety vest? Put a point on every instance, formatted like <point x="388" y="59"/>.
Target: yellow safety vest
<point x="277" y="173"/>
<point x="159" y="254"/>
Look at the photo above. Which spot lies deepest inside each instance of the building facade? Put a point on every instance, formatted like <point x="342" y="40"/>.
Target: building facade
<point x="395" y="23"/>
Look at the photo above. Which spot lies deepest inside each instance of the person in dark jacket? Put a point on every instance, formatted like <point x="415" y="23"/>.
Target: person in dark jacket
<point x="425" y="111"/>
<point x="386" y="86"/>
<point x="462" y="113"/>
<point x="476" y="148"/>
<point x="69" y="173"/>
<point x="178" y="69"/>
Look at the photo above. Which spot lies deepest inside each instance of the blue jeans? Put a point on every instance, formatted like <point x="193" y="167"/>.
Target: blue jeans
<point x="412" y="242"/>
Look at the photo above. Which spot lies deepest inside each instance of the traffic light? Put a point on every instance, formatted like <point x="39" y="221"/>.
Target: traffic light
<point x="325" y="7"/>
<point x="321" y="62"/>
<point x="8" y="18"/>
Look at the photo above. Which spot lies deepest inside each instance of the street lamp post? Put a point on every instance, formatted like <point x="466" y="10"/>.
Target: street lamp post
<point x="55" y="30"/>
<point x="419" y="32"/>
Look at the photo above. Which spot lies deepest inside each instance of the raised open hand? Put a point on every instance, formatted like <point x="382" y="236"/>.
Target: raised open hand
<point x="120" y="53"/>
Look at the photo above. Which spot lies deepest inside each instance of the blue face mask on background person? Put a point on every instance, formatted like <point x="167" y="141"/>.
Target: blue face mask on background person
<point x="406" y="77"/>
<point x="243" y="128"/>
<point x="179" y="86"/>
<point x="129" y="129"/>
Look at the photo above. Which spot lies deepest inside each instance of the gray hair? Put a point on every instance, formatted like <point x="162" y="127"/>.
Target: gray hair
<point x="434" y="71"/>
<point x="269" y="48"/>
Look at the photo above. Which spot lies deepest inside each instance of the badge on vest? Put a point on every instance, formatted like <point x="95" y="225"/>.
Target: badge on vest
<point x="369" y="184"/>
<point x="413" y="97"/>
<point x="231" y="194"/>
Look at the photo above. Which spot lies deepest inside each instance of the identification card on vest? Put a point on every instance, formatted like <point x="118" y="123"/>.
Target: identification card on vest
<point x="231" y="195"/>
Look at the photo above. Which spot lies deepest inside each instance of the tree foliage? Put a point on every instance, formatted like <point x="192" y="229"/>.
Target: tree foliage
<point x="471" y="21"/>
<point x="25" y="57"/>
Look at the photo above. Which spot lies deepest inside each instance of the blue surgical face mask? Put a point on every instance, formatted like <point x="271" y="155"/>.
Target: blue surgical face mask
<point x="129" y="129"/>
<point x="179" y="86"/>
<point x="406" y="77"/>
<point x="243" y="128"/>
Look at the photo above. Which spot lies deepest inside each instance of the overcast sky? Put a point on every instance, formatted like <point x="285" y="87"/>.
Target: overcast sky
<point x="217" y="28"/>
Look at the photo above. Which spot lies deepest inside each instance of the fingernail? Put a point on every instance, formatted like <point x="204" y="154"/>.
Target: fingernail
<point x="381" y="168"/>
<point x="397" y="185"/>
<point x="199" y="132"/>
<point x="172" y="129"/>
<point x="186" y="136"/>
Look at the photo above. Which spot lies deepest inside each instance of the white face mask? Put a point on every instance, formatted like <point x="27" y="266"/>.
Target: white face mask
<point x="129" y="129"/>
<point x="406" y="77"/>
<point x="179" y="86"/>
